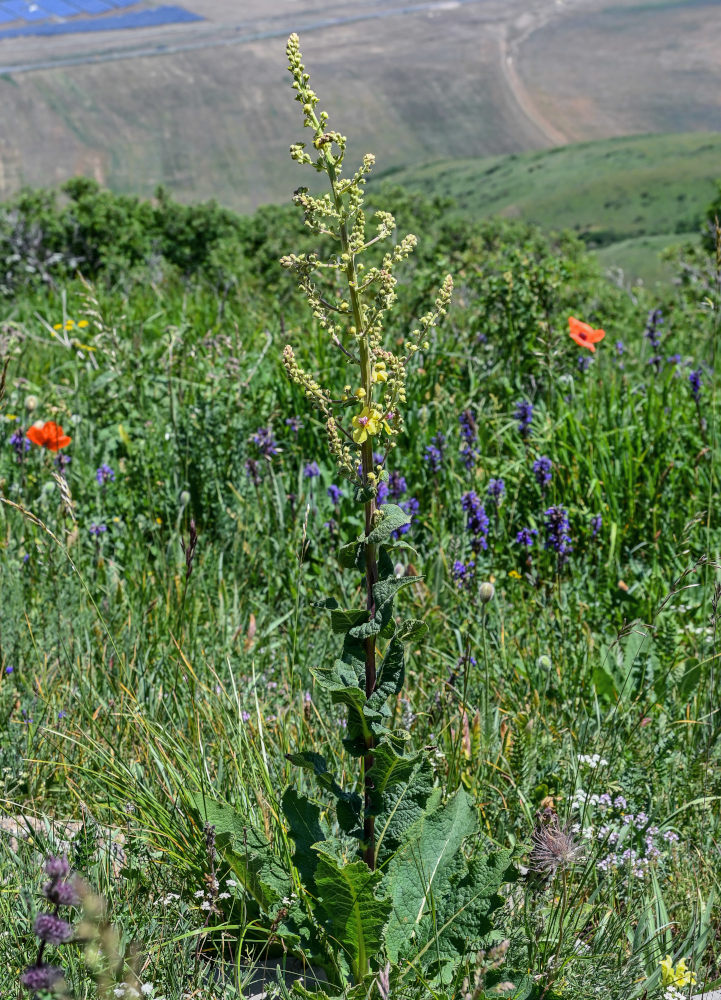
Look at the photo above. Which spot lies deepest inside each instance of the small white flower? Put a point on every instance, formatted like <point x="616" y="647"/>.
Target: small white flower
<point x="205" y="905"/>
<point x="199" y="894"/>
<point x="147" y="989"/>
<point x="224" y="895"/>
<point x="231" y="882"/>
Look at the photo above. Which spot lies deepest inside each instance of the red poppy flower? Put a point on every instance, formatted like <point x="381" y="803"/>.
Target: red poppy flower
<point x="48" y="435"/>
<point x="583" y="334"/>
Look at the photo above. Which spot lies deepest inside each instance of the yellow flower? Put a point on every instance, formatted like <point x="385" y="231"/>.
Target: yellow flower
<point x="366" y="424"/>
<point x="83" y="323"/>
<point x="678" y="976"/>
<point x="515" y="574"/>
<point x="379" y="372"/>
<point x="57" y="326"/>
<point x="69" y="324"/>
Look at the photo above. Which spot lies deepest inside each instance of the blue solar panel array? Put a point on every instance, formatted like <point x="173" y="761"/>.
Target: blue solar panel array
<point x="39" y="16"/>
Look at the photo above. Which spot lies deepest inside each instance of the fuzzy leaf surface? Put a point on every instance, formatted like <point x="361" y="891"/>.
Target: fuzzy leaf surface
<point x="348" y="804"/>
<point x="355" y="916"/>
<point x="401" y="789"/>
<point x="419" y="874"/>
<point x="303" y="818"/>
<point x="391" y="517"/>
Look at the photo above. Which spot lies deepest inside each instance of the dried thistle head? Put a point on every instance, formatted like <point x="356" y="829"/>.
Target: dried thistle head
<point x="554" y="847"/>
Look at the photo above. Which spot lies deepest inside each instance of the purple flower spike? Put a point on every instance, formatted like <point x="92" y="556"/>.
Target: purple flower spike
<point x="543" y="471"/>
<point x="524" y="416"/>
<point x="105" y="475"/>
<point x="596" y="525"/>
<point x="41" y="977"/>
<point x="476" y="520"/>
<point x="397" y="486"/>
<point x="335" y="493"/>
<point x="57" y="867"/>
<point x="496" y="490"/>
<point x="653" y="330"/>
<point x="558" y="532"/>
<point x="265" y="442"/>
<point x="434" y="452"/>
<point x="526" y="536"/>
<point x="52" y="929"/>
<point x="696" y="384"/>
<point x="311" y="470"/>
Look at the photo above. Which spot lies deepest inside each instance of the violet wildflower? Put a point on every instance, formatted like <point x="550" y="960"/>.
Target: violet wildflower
<point x="434" y="452"/>
<point x="584" y="362"/>
<point x="653" y="330"/>
<point x="657" y="362"/>
<point x="620" y="347"/>
<point x="382" y="492"/>
<point x="526" y="536"/>
<point x="378" y="458"/>
<point x="397" y="486"/>
<point x="335" y="493"/>
<point x="524" y="416"/>
<point x="463" y="573"/>
<point x="543" y="471"/>
<point x="52" y="929"/>
<point x="62" y="461"/>
<point x="596" y="524"/>
<point x="98" y="529"/>
<point x="496" y="490"/>
<point x="476" y="520"/>
<point x="696" y="383"/>
<point x="295" y="423"/>
<point x="311" y="471"/>
<point x="265" y="442"/>
<point x="20" y="443"/>
<point x="558" y="532"/>
<point x="674" y="359"/>
<point x="41" y="977"/>
<point x="105" y="475"/>
<point x="469" y="433"/>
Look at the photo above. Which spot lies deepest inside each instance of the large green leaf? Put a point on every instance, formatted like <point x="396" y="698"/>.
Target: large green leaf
<point x="401" y="789"/>
<point x="354" y="915"/>
<point x="303" y="818"/>
<point x="418" y="875"/>
<point x="390" y="518"/>
<point x="348" y="804"/>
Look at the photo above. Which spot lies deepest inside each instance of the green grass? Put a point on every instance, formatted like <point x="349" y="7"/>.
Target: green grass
<point x="606" y="191"/>
<point x="133" y="688"/>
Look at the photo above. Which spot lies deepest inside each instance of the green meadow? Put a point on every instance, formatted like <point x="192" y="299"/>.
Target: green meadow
<point x="184" y="569"/>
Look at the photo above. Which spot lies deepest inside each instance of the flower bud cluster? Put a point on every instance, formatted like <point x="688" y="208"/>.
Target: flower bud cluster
<point x="359" y="316"/>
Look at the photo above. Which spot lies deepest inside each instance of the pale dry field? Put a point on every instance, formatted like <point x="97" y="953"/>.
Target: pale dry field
<point x="206" y="109"/>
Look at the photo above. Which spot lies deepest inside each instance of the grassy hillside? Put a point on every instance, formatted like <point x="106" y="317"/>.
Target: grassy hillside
<point x="647" y="189"/>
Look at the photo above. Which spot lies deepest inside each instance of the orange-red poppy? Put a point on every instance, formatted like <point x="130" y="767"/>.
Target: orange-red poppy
<point x="48" y="435"/>
<point x="583" y="334"/>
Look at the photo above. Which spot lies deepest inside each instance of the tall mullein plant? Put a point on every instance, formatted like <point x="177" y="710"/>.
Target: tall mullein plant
<point x="357" y="417"/>
<point x="396" y="881"/>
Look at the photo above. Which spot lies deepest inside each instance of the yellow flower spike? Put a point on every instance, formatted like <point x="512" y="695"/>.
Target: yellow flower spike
<point x="678" y="976"/>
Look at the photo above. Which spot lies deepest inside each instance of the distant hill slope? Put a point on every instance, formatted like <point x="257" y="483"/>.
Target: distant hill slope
<point x="606" y="191"/>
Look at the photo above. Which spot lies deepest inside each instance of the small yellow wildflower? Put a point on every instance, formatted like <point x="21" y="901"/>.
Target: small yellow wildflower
<point x="366" y="424"/>
<point x="69" y="324"/>
<point x="83" y="323"/>
<point x="57" y="326"/>
<point x="678" y="976"/>
<point x="379" y="372"/>
<point x="514" y="574"/>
